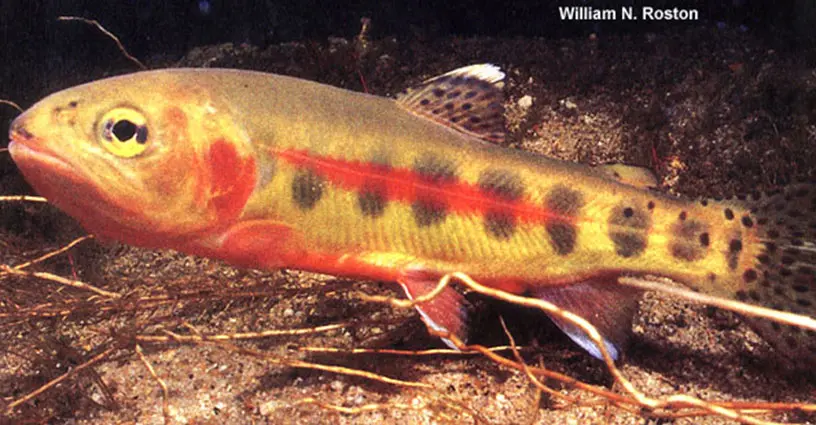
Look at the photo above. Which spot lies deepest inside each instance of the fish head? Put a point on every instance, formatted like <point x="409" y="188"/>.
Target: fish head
<point x="146" y="158"/>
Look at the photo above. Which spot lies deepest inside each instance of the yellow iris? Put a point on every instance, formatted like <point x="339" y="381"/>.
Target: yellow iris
<point x="124" y="132"/>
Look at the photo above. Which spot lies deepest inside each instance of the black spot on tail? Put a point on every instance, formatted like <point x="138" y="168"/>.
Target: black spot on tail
<point x="782" y="275"/>
<point x="734" y="250"/>
<point x="689" y="239"/>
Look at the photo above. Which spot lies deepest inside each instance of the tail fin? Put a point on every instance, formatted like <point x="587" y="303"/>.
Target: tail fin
<point x="785" y="273"/>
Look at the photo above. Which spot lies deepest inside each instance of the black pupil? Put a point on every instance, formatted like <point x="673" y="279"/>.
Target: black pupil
<point x="124" y="130"/>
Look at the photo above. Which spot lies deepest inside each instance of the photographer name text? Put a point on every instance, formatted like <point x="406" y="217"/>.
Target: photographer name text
<point x="645" y="13"/>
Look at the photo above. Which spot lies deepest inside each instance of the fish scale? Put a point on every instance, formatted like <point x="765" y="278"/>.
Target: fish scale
<point x="267" y="171"/>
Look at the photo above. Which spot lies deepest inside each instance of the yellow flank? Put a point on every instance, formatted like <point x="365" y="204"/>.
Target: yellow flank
<point x="379" y="131"/>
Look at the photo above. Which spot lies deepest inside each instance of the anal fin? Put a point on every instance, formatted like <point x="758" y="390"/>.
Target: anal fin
<point x="604" y="303"/>
<point x="446" y="313"/>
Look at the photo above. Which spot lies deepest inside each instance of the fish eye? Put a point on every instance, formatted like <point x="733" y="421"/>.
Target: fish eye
<point x="123" y="132"/>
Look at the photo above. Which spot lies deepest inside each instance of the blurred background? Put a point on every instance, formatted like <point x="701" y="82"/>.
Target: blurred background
<point x="29" y="30"/>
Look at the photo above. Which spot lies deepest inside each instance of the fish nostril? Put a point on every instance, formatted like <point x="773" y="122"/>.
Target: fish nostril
<point x="18" y="130"/>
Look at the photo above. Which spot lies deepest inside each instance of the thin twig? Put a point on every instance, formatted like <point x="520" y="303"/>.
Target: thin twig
<point x="12" y="104"/>
<point x="792" y="319"/>
<point x="361" y="409"/>
<point x="99" y="26"/>
<point x="50" y="384"/>
<point x="322" y="367"/>
<point x="354" y="372"/>
<point x="236" y="336"/>
<point x="530" y="375"/>
<point x="61" y="280"/>
<point x="162" y="384"/>
<point x="26" y="198"/>
<point x="430" y="352"/>
<point x="53" y="253"/>
<point x="417" y="406"/>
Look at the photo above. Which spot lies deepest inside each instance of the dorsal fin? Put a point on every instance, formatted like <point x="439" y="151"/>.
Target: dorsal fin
<point x="468" y="99"/>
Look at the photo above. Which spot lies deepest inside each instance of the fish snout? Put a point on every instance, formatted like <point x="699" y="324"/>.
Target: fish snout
<point x="18" y="131"/>
<point x="43" y="121"/>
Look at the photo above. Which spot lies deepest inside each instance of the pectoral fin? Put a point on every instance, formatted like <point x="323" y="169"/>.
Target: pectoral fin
<point x="255" y="244"/>
<point x="604" y="303"/>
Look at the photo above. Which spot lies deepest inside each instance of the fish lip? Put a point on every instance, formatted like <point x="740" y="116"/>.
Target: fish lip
<point x="49" y="174"/>
<point x="22" y="152"/>
<point x="56" y="179"/>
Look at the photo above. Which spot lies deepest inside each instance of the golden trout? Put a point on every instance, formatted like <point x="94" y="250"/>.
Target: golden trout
<point x="267" y="171"/>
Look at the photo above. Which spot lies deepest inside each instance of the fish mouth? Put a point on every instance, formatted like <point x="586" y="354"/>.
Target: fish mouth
<point x="46" y="171"/>
<point x="35" y="163"/>
<point x="56" y="179"/>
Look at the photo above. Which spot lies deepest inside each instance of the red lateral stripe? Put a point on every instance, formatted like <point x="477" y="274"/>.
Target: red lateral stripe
<point x="405" y="185"/>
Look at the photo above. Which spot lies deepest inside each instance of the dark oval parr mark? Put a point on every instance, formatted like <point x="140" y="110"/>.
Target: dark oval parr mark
<point x="307" y="189"/>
